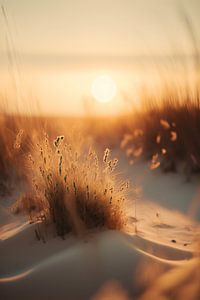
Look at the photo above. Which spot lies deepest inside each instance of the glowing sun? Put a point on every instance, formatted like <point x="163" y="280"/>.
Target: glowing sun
<point x="103" y="88"/>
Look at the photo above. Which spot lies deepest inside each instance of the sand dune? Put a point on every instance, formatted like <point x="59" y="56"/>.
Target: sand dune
<point x="79" y="268"/>
<point x="77" y="271"/>
<point x="159" y="242"/>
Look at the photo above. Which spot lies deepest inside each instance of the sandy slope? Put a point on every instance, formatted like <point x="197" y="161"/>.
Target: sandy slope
<point x="79" y="269"/>
<point x="171" y="190"/>
<point x="74" y="269"/>
<point x="122" y="265"/>
<point x="167" y="206"/>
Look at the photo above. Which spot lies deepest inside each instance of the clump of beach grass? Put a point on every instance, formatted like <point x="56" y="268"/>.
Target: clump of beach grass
<point x="166" y="131"/>
<point x="75" y="190"/>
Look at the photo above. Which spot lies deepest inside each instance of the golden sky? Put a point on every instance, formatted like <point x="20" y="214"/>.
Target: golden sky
<point x="99" y="27"/>
<point x="62" y="46"/>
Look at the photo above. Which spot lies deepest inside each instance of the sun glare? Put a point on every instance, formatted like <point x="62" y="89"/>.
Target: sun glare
<point x="103" y="88"/>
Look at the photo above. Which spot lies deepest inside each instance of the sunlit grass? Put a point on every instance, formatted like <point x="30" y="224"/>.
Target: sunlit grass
<point x="73" y="189"/>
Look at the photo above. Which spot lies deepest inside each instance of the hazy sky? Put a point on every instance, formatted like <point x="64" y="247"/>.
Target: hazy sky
<point x="99" y="27"/>
<point x="57" y="48"/>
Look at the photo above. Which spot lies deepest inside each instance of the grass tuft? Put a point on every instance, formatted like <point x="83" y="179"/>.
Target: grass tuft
<point x="75" y="190"/>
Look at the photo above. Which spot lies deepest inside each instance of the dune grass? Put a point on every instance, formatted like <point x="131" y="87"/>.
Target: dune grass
<point x="9" y="147"/>
<point x="16" y="139"/>
<point x="72" y="189"/>
<point x="166" y="131"/>
<point x="17" y="136"/>
<point x="181" y="282"/>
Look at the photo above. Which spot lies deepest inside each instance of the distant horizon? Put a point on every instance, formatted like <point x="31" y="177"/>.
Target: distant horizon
<point x="54" y="51"/>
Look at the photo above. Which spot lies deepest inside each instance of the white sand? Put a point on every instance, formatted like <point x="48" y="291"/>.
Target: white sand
<point x="98" y="265"/>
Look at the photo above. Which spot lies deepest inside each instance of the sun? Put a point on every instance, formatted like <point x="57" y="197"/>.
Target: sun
<point x="103" y="88"/>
